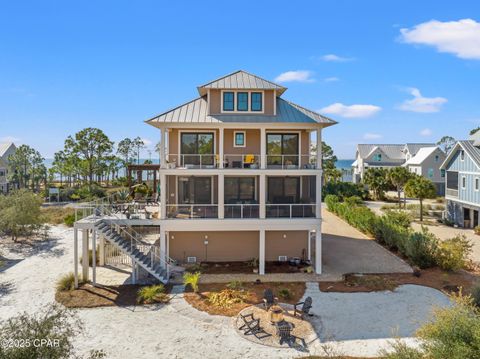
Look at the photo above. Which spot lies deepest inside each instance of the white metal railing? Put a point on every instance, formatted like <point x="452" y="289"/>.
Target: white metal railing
<point x="241" y="161"/>
<point x="241" y="210"/>
<point x="185" y="211"/>
<point x="293" y="210"/>
<point x="203" y="161"/>
<point x="115" y="256"/>
<point x="291" y="161"/>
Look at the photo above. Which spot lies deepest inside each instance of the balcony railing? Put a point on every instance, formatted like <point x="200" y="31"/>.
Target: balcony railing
<point x="286" y="162"/>
<point x="290" y="210"/>
<point x="242" y="211"/>
<point x="192" y="161"/>
<point x="196" y="211"/>
<point x="251" y="161"/>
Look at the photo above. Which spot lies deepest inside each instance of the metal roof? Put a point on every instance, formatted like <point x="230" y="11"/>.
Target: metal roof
<point x="196" y="111"/>
<point x="4" y="147"/>
<point x="422" y="154"/>
<point x="392" y="151"/>
<point x="413" y="148"/>
<point x="472" y="151"/>
<point x="241" y="80"/>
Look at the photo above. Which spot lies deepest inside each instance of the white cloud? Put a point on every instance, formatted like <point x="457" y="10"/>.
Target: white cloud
<point x="352" y="111"/>
<point x="146" y="142"/>
<point x="10" y="139"/>
<point x="295" y="76"/>
<point x="426" y="132"/>
<point x="335" y="58"/>
<point x="372" y="136"/>
<point x="461" y="38"/>
<point x="422" y="104"/>
<point x="331" y="79"/>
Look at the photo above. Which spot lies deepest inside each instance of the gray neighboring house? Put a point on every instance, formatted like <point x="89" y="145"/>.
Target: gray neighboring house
<point x="462" y="191"/>
<point x="383" y="156"/>
<point x="426" y="163"/>
<point x="6" y="149"/>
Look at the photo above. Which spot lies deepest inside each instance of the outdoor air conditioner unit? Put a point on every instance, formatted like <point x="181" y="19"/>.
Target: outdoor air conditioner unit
<point x="191" y="259"/>
<point x="282" y="258"/>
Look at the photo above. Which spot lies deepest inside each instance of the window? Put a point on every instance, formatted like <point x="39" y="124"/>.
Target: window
<point x="2" y="173"/>
<point x="239" y="190"/>
<point x="462" y="155"/>
<point x="242" y="101"/>
<point x="437" y="158"/>
<point x="282" y="149"/>
<point x="256" y="101"/>
<point x="377" y="157"/>
<point x="196" y="148"/>
<point x="430" y="173"/>
<point x="476" y="183"/>
<point x="452" y="180"/>
<point x="228" y="101"/>
<point x="194" y="190"/>
<point x="283" y="190"/>
<point x="464" y="182"/>
<point x="442" y="173"/>
<point x="239" y="139"/>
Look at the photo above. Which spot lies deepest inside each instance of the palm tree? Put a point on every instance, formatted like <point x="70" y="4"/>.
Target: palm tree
<point x="399" y="176"/>
<point x="421" y="188"/>
<point x="377" y="181"/>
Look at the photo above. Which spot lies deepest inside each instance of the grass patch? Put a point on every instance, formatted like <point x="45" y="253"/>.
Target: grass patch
<point x="56" y="214"/>
<point x="371" y="283"/>
<point x="152" y="294"/>
<point x="66" y="283"/>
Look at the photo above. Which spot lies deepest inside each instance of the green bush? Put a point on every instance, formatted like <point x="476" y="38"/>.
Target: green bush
<point x="475" y="293"/>
<point x="284" y="293"/>
<point x="421" y="248"/>
<point x="152" y="294"/>
<point x="353" y="201"/>
<point x="401" y="350"/>
<point x="453" y="253"/>
<point x="235" y="284"/>
<point x="66" y="283"/>
<point x="331" y="200"/>
<point x="344" y="189"/>
<point x="227" y="297"/>
<point x="69" y="219"/>
<point x="390" y="233"/>
<point x="192" y="280"/>
<point x="401" y="218"/>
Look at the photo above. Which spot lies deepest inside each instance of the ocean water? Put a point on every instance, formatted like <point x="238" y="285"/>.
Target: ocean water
<point x="344" y="164"/>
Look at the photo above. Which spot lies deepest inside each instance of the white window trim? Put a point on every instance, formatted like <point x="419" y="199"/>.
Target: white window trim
<point x="235" y="139"/>
<point x="462" y="155"/>
<point x="476" y="184"/>
<point x="235" y="104"/>
<point x="464" y="182"/>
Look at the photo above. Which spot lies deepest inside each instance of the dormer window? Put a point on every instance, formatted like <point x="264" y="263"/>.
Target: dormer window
<point x="256" y="101"/>
<point x="242" y="101"/>
<point x="228" y="101"/>
<point x="377" y="157"/>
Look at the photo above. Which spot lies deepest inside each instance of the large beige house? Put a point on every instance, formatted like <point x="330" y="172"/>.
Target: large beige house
<point x="237" y="178"/>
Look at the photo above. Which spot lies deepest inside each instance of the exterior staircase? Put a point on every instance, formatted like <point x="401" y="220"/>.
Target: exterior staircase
<point x="143" y="254"/>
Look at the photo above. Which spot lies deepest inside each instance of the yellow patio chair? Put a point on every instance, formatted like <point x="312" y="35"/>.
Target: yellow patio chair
<point x="249" y="159"/>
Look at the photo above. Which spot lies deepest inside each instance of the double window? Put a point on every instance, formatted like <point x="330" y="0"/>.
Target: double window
<point x="282" y="149"/>
<point x="197" y="148"/>
<point x="283" y="190"/>
<point x="194" y="190"/>
<point x="239" y="190"/>
<point x="242" y="101"/>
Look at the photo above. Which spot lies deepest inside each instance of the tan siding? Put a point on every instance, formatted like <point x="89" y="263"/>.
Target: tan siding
<point x="269" y="102"/>
<point x="252" y="142"/>
<point x="291" y="246"/>
<point x="174" y="138"/>
<point x="222" y="246"/>
<point x="215" y="101"/>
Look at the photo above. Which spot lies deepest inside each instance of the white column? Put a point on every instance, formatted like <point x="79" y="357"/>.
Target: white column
<point x="163" y="245"/>
<point x="318" y="249"/>
<point x="221" y="196"/>
<point x="262" y="193"/>
<point x="101" y="252"/>
<point x="166" y="143"/>
<point x="162" y="149"/>
<point x="220" y="147"/>
<point x="134" y="271"/>
<point x="319" y="148"/>
<point x="263" y="148"/>
<point x="318" y="199"/>
<point x="261" y="256"/>
<point x="75" y="256"/>
<point x="85" y="254"/>
<point x="163" y="195"/>
<point x="94" y="257"/>
<point x="309" y="245"/>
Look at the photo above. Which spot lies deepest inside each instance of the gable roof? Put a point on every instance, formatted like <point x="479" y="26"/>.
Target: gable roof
<point x="241" y="80"/>
<point x="413" y="148"/>
<point x="392" y="151"/>
<point x="470" y="149"/>
<point x="422" y="154"/>
<point x="196" y="111"/>
<point x="4" y="147"/>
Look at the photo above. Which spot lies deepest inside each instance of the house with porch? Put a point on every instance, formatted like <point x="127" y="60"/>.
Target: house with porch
<point x="6" y="149"/>
<point x="237" y="182"/>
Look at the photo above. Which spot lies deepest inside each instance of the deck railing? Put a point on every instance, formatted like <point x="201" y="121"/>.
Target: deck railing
<point x="293" y="210"/>
<point x="286" y="162"/>
<point x="242" y="211"/>
<point x="188" y="211"/>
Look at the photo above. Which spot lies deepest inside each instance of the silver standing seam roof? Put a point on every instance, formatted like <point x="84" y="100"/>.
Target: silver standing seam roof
<point x="4" y="147"/>
<point x="241" y="80"/>
<point x="472" y="151"/>
<point x="413" y="148"/>
<point x="393" y="151"/>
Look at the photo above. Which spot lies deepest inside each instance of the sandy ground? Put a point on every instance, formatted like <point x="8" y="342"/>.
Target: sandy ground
<point x="360" y="323"/>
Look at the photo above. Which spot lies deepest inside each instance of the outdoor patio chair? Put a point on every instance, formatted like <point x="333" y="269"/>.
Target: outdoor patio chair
<point x="284" y="332"/>
<point x="305" y="308"/>
<point x="268" y="299"/>
<point x="251" y="326"/>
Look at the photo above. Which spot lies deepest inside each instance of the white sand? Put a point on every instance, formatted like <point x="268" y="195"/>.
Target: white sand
<point x="359" y="323"/>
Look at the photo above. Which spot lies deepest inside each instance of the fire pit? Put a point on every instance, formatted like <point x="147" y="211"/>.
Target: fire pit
<point x="276" y="314"/>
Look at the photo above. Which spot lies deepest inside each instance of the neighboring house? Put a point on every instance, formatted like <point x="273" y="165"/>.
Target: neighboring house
<point x="6" y="149"/>
<point x="383" y="156"/>
<point x="462" y="192"/>
<point x="427" y="163"/>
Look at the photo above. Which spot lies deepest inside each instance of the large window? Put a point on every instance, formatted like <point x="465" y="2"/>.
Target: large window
<point x="242" y="101"/>
<point x="195" y="190"/>
<point x="197" y="148"/>
<point x="452" y="180"/>
<point x="283" y="190"/>
<point x="256" y="101"/>
<point x="228" y="101"/>
<point x="282" y="149"/>
<point x="239" y="190"/>
<point x="239" y="139"/>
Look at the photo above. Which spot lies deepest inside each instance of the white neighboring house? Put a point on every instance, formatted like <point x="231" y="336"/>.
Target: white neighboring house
<point x="384" y="156"/>
<point x="6" y="149"/>
<point x="427" y="163"/>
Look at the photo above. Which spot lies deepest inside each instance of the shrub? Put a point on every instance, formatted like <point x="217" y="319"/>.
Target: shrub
<point x="66" y="283"/>
<point x="56" y="215"/>
<point x="69" y="219"/>
<point x="331" y="200"/>
<point x="192" y="280"/>
<point x="284" y="293"/>
<point x="401" y="218"/>
<point x="421" y="248"/>
<point x="152" y="294"/>
<point x="401" y="350"/>
<point x="235" y="284"/>
<point x="344" y="189"/>
<point x="227" y="297"/>
<point x="453" y="253"/>
<point x="390" y="233"/>
<point x="353" y="201"/>
<point x="475" y="294"/>
<point x="192" y="268"/>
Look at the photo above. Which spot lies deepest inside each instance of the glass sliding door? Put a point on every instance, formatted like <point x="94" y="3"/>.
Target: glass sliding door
<point x="195" y="190"/>
<point x="283" y="190"/>
<point x="197" y="149"/>
<point x="282" y="150"/>
<point x="240" y="199"/>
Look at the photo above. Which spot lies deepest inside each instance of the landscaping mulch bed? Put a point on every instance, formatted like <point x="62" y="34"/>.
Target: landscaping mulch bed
<point x="88" y="296"/>
<point x="255" y="294"/>
<point x="246" y="268"/>
<point x="448" y="282"/>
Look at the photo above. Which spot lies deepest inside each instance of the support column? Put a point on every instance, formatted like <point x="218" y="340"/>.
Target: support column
<point x="220" y="148"/>
<point x="163" y="246"/>
<point x="134" y="272"/>
<point x="309" y="245"/>
<point x="85" y="255"/>
<point x="162" y="149"/>
<point x="318" y="199"/>
<point x="221" y="196"/>
<point x="319" y="148"/>
<point x="318" y="249"/>
<point x="261" y="256"/>
<point x="163" y="196"/>
<point x="263" y="148"/>
<point x="94" y="257"/>
<point x="262" y="193"/>
<point x="101" y="251"/>
<point x="75" y="256"/>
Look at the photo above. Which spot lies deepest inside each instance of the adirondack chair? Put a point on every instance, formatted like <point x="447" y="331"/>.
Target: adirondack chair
<point x="268" y="299"/>
<point x="303" y="308"/>
<point x="251" y="326"/>
<point x="284" y="332"/>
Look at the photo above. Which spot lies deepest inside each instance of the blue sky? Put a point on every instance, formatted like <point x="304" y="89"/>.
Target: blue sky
<point x="112" y="64"/>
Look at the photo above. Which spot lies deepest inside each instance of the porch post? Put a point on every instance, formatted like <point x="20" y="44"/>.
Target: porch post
<point x="318" y="199"/>
<point x="75" y="256"/>
<point x="261" y="257"/>
<point x="163" y="196"/>
<point x="134" y="272"/>
<point x="262" y="194"/>
<point x="318" y="249"/>
<point x="263" y="148"/>
<point x="221" y="195"/>
<point x="94" y="257"/>
<point x="319" y="148"/>
<point x="163" y="246"/>
<point x="309" y="245"/>
<point x="85" y="254"/>
<point x="220" y="147"/>
<point x="162" y="149"/>
<point x="101" y="251"/>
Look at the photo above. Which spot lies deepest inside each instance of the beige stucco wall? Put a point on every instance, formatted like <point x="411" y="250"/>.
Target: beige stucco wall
<point x="252" y="142"/>
<point x="291" y="246"/>
<point x="222" y="246"/>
